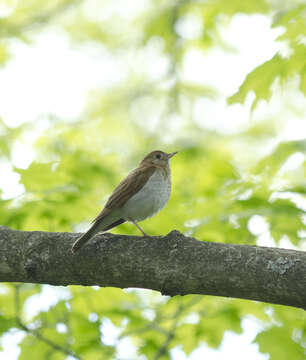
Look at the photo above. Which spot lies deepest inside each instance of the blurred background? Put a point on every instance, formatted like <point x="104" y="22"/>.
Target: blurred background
<point x="87" y="88"/>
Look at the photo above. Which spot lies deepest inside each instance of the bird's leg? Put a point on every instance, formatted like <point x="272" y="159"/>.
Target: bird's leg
<point x="138" y="227"/>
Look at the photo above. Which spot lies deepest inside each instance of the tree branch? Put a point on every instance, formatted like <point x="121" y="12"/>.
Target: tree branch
<point x="174" y="265"/>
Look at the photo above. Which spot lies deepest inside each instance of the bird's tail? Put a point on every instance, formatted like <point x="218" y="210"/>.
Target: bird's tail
<point x="97" y="227"/>
<point x="85" y="237"/>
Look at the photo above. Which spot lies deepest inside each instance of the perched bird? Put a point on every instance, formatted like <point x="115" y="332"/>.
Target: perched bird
<point x="144" y="192"/>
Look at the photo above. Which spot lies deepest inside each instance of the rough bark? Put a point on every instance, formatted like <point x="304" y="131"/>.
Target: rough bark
<point x="173" y="264"/>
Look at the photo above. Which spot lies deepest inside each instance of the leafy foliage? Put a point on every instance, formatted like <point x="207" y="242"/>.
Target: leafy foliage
<point x="280" y="67"/>
<point x="221" y="182"/>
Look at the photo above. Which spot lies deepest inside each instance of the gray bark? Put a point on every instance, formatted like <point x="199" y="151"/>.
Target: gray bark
<point x="173" y="264"/>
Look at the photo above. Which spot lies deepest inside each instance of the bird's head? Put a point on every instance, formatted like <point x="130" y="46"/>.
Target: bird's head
<point x="157" y="158"/>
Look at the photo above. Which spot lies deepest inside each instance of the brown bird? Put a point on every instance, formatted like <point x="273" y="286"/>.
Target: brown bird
<point x="144" y="192"/>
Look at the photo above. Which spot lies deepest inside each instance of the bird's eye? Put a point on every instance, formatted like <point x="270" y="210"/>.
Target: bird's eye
<point x="158" y="156"/>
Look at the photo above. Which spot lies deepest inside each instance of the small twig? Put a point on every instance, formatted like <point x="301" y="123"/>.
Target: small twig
<point x="36" y="333"/>
<point x="164" y="348"/>
<point x="176" y="317"/>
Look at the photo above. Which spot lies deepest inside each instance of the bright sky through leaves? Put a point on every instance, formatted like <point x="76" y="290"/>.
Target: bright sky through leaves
<point x="86" y="91"/>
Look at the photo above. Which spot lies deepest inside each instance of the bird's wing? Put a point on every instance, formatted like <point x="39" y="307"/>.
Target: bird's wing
<point x="126" y="189"/>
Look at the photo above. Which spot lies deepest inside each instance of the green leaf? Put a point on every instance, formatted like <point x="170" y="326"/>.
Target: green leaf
<point x="273" y="342"/>
<point x="32" y="348"/>
<point x="86" y="333"/>
<point x="4" y="53"/>
<point x="40" y="177"/>
<point x="261" y="79"/>
<point x="293" y="21"/>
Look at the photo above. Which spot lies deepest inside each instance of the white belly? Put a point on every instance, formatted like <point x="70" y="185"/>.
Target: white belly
<point x="149" y="200"/>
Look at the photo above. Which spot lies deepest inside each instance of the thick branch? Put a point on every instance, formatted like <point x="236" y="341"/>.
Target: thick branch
<point x="173" y="265"/>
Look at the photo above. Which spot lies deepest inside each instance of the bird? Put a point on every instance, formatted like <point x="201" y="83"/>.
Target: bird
<point x="140" y="195"/>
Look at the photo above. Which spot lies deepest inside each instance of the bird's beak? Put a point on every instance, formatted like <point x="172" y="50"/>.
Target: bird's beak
<point x="172" y="154"/>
